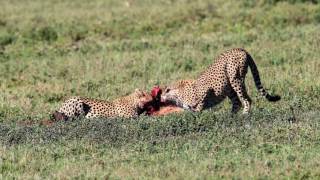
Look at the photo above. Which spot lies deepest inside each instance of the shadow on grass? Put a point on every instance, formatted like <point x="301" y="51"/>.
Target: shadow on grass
<point x="118" y="132"/>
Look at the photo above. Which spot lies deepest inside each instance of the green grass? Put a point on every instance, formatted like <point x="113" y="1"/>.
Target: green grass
<point x="105" y="49"/>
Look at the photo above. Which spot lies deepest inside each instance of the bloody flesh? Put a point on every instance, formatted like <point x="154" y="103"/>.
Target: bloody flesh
<point x="158" y="108"/>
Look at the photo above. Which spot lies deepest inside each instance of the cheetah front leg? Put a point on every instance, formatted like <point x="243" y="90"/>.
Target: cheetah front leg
<point x="198" y="107"/>
<point x="239" y="87"/>
<point x="204" y="99"/>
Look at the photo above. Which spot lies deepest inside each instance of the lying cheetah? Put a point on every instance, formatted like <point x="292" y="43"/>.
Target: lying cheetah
<point x="224" y="78"/>
<point x="128" y="106"/>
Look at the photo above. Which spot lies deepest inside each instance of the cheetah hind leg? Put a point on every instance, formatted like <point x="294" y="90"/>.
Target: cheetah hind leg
<point x="236" y="103"/>
<point x="72" y="108"/>
<point x="58" y="116"/>
<point x="240" y="88"/>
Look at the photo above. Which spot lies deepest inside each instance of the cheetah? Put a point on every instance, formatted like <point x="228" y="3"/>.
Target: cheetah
<point x="224" y="78"/>
<point x="130" y="106"/>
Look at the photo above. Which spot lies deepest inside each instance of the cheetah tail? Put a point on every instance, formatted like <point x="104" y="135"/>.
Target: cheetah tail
<point x="257" y="81"/>
<point x="273" y="98"/>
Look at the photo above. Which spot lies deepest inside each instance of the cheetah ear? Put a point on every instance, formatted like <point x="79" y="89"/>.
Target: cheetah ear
<point x="181" y="84"/>
<point x="139" y="92"/>
<point x="163" y="87"/>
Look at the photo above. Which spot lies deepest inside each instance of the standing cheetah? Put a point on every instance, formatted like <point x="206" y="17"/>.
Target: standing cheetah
<point x="128" y="106"/>
<point x="224" y="78"/>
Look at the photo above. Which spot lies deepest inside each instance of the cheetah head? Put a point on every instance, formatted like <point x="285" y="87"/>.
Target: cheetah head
<point x="141" y="98"/>
<point x="180" y="93"/>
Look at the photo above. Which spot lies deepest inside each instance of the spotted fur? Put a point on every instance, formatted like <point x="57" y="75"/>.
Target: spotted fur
<point x="128" y="106"/>
<point x="224" y="78"/>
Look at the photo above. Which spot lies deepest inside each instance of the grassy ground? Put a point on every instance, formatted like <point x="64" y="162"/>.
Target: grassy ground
<point x="105" y="49"/>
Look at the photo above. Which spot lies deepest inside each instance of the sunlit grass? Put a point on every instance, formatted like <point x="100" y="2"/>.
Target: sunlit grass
<point x="105" y="49"/>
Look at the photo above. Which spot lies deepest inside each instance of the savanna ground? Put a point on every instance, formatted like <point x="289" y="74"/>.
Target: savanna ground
<point x="105" y="49"/>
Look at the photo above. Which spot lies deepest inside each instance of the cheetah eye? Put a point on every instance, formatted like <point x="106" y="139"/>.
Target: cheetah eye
<point x="167" y="90"/>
